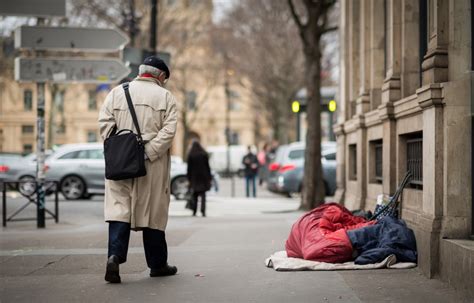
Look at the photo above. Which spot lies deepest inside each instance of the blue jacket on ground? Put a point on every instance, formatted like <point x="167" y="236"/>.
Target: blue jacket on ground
<point x="389" y="236"/>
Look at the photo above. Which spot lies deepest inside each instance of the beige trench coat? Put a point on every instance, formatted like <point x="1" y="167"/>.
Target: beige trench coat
<point x="142" y="202"/>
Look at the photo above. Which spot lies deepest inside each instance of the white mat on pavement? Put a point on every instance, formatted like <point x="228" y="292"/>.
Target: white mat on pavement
<point x="281" y="262"/>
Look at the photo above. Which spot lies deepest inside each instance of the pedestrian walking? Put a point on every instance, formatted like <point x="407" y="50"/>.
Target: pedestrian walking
<point x="250" y="163"/>
<point x="141" y="204"/>
<point x="199" y="176"/>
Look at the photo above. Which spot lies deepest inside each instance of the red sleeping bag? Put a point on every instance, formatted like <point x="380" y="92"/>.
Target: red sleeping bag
<point x="320" y="235"/>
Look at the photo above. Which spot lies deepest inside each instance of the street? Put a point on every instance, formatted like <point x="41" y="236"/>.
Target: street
<point x="219" y="258"/>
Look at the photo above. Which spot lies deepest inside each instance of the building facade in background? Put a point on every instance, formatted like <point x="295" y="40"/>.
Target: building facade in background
<point x="197" y="79"/>
<point x="406" y="72"/>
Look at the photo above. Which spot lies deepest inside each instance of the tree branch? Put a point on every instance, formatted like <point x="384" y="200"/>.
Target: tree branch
<point x="297" y="19"/>
<point x="329" y="29"/>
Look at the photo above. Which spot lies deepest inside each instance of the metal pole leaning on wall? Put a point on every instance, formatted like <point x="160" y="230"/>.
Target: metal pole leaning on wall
<point x="40" y="142"/>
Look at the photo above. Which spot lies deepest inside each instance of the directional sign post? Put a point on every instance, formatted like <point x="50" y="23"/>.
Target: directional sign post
<point x="62" y="70"/>
<point x="69" y="38"/>
<point x="35" y="8"/>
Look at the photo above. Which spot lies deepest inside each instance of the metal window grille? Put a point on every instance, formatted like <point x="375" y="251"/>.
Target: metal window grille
<point x="378" y="162"/>
<point x="415" y="161"/>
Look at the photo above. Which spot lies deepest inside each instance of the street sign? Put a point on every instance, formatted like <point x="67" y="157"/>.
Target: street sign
<point x="33" y="8"/>
<point x="70" y="38"/>
<point x="67" y="70"/>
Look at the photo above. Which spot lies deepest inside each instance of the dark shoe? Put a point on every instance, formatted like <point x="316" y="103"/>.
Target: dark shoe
<point x="203" y="214"/>
<point x="112" y="271"/>
<point x="163" y="271"/>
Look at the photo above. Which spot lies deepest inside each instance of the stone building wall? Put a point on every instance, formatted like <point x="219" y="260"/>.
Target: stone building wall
<point x="405" y="89"/>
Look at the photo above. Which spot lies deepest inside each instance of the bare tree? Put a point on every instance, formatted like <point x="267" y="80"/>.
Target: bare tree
<point x="183" y="31"/>
<point x="263" y="46"/>
<point x="313" y="23"/>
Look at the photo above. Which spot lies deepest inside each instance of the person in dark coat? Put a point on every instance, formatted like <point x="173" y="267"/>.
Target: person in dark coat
<point x="250" y="162"/>
<point x="199" y="175"/>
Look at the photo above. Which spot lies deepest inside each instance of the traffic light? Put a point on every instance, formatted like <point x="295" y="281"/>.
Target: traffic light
<point x="295" y="106"/>
<point x="332" y="106"/>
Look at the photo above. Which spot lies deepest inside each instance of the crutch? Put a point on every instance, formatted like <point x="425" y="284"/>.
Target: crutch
<point x="393" y="203"/>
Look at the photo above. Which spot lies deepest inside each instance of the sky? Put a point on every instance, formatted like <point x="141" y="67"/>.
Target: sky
<point x="9" y="23"/>
<point x="220" y="9"/>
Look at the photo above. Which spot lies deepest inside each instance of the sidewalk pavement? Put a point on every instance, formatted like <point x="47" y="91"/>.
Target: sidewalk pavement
<point x="220" y="259"/>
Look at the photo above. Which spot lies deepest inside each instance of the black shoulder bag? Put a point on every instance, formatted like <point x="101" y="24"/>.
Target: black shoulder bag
<point x="124" y="151"/>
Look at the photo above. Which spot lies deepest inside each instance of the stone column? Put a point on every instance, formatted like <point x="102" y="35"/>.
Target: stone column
<point x="376" y="53"/>
<point x="343" y="103"/>
<point x="341" y="164"/>
<point x="458" y="93"/>
<point x="344" y="88"/>
<point x="363" y="100"/>
<point x="390" y="93"/>
<point x="354" y="64"/>
<point x="391" y="87"/>
<point x="410" y="63"/>
<point x="362" y="154"/>
<point x="435" y="62"/>
<point x="389" y="156"/>
<point x="430" y="99"/>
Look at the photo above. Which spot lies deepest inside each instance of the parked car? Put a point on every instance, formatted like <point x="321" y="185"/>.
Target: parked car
<point x="18" y="168"/>
<point x="287" y="170"/>
<point x="80" y="170"/>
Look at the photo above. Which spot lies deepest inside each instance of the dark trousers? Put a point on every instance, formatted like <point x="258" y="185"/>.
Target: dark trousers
<point x="250" y="180"/>
<point x="196" y="195"/>
<point x="154" y="242"/>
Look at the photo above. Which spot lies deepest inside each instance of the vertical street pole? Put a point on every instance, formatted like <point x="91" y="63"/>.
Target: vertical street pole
<point x="298" y="126"/>
<point x="132" y="22"/>
<point x="40" y="174"/>
<point x="227" y="130"/>
<point x="153" y="25"/>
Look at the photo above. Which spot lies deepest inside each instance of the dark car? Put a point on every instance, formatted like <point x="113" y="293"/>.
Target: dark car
<point x="287" y="170"/>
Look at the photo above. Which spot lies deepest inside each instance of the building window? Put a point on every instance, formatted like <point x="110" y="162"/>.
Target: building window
<point x="414" y="162"/>
<point x="27" y="129"/>
<point x="91" y="136"/>
<point x="353" y="162"/>
<point x="191" y="100"/>
<point x="27" y="148"/>
<point x="234" y="138"/>
<point x="234" y="106"/>
<point x="92" y="100"/>
<point x="376" y="165"/>
<point x="28" y="100"/>
<point x="378" y="162"/>
<point x="61" y="129"/>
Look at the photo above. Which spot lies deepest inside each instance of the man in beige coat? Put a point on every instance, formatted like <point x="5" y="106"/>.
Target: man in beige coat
<point x="141" y="203"/>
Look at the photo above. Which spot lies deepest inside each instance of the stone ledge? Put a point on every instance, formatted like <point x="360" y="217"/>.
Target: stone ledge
<point x="430" y="95"/>
<point x="457" y="264"/>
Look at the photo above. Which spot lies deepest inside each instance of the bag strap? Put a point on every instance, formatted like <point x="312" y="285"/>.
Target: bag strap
<point x="132" y="110"/>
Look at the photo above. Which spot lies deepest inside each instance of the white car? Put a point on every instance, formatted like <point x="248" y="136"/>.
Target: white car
<point x="80" y="170"/>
